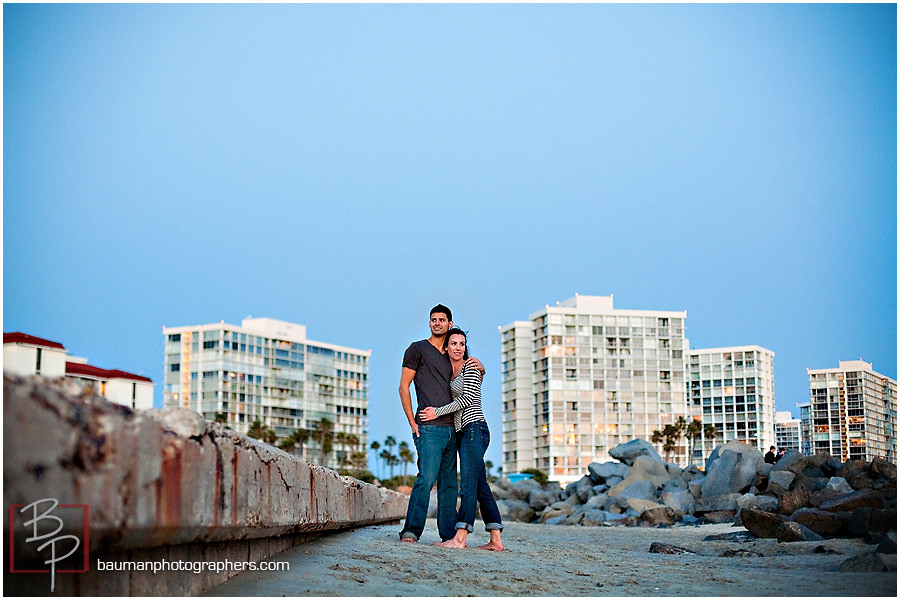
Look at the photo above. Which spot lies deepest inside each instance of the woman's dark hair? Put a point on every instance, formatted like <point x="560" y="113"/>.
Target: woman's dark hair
<point x="457" y="331"/>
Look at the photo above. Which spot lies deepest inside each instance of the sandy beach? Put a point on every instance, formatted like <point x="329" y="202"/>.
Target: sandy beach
<point x="559" y="560"/>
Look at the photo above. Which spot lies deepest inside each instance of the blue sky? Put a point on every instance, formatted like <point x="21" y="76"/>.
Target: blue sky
<point x="349" y="166"/>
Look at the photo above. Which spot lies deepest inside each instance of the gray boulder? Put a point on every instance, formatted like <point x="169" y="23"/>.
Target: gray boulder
<point x="601" y="472"/>
<point x="643" y="490"/>
<point x="629" y="451"/>
<point x="541" y="499"/>
<point x="732" y="470"/>
<point x="515" y="510"/>
<point x="614" y="481"/>
<point x="759" y="502"/>
<point x="716" y="503"/>
<point x="645" y="468"/>
<point x="695" y="487"/>
<point x="680" y="501"/>
<point x="781" y="480"/>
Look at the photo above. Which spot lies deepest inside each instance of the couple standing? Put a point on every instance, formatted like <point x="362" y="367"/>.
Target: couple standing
<point x="448" y="420"/>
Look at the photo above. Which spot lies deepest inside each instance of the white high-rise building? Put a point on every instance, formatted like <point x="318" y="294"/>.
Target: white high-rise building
<point x="582" y="377"/>
<point x="268" y="371"/>
<point x="733" y="390"/>
<point x="853" y="412"/>
<point x="788" y="431"/>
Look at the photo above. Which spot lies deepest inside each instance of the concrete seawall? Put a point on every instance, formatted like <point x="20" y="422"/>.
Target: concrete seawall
<point x="157" y="485"/>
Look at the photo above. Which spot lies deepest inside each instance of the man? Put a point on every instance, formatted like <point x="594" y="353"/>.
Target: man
<point x="770" y="455"/>
<point x="427" y="366"/>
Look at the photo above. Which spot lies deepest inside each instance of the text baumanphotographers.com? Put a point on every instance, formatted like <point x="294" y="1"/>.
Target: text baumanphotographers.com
<point x="197" y="566"/>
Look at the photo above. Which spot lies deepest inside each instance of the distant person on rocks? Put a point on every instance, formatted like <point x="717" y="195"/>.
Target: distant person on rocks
<point x="425" y="363"/>
<point x="472" y="440"/>
<point x="770" y="456"/>
<point x="781" y="452"/>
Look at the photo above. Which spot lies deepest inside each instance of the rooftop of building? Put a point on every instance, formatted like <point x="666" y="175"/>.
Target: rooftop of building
<point x="85" y="370"/>
<point x="17" y="337"/>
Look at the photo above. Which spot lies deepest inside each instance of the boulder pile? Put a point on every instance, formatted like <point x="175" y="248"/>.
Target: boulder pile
<point x="799" y="498"/>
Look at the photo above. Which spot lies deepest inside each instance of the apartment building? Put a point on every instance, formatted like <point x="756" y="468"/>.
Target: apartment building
<point x="806" y="429"/>
<point x="788" y="431"/>
<point x="853" y="412"/>
<point x="582" y="377"/>
<point x="268" y="371"/>
<point x="733" y="390"/>
<point x="26" y="354"/>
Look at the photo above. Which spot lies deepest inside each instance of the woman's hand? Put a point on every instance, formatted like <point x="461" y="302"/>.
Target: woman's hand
<point x="475" y="363"/>
<point x="427" y="414"/>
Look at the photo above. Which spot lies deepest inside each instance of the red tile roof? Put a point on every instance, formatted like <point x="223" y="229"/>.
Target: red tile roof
<point x="17" y="337"/>
<point x="89" y="371"/>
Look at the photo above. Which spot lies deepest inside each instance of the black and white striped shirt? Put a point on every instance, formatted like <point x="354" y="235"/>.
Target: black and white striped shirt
<point x="465" y="389"/>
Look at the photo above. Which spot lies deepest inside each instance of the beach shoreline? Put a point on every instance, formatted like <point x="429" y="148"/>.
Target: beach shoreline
<point x="559" y="560"/>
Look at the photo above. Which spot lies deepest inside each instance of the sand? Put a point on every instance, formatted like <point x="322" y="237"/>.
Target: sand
<point x="560" y="560"/>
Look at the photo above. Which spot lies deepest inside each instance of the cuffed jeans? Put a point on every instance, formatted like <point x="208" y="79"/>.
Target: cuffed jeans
<point x="436" y="449"/>
<point x="473" y="442"/>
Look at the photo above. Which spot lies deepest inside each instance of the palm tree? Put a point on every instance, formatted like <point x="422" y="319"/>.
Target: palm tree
<point x="710" y="432"/>
<point x="375" y="446"/>
<point x="261" y="432"/>
<point x="340" y="439"/>
<point x="300" y="437"/>
<point x="391" y="460"/>
<point x="406" y="457"/>
<point x="692" y="432"/>
<point x="324" y="435"/>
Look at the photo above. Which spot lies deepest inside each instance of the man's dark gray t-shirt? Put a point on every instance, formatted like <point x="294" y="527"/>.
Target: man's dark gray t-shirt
<point x="432" y="380"/>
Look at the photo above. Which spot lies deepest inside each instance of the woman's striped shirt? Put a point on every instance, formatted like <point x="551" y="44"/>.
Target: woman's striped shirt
<point x="465" y="389"/>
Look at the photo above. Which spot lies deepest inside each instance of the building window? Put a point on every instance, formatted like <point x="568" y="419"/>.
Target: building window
<point x="37" y="365"/>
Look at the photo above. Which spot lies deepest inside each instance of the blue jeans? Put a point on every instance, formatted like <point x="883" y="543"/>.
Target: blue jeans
<point x="436" y="449"/>
<point x="473" y="442"/>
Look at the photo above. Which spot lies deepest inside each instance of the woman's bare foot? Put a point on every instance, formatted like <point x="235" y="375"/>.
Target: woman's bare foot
<point x="452" y="543"/>
<point x="496" y="546"/>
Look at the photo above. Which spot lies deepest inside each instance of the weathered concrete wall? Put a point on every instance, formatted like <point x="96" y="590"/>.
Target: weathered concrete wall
<point x="165" y="484"/>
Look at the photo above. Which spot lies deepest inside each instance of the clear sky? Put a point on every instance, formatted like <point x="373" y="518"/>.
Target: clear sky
<point x="349" y="166"/>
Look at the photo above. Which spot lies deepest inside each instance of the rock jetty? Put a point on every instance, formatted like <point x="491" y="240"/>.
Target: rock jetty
<point x="799" y="498"/>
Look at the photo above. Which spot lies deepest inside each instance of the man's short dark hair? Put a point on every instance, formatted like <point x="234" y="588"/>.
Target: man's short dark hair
<point x="440" y="308"/>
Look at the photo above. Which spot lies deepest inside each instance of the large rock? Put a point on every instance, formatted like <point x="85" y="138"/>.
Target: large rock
<point x="759" y="502"/>
<point x="789" y="531"/>
<point x="851" y="502"/>
<point x="643" y="490"/>
<point x="601" y="472"/>
<point x="658" y="515"/>
<point x="732" y="470"/>
<point x="824" y="523"/>
<point x="780" y="481"/>
<point x="515" y="510"/>
<point x="882" y="469"/>
<point x="868" y="520"/>
<point x="867" y="562"/>
<point x="645" y="468"/>
<point x="793" y="500"/>
<point x="630" y="451"/>
<point x="680" y="501"/>
<point x="716" y="503"/>
<point x="760" y="523"/>
<point x="541" y="499"/>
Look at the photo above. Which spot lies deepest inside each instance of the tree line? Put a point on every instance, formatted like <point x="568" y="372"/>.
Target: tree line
<point x="669" y="435"/>
<point x="351" y="455"/>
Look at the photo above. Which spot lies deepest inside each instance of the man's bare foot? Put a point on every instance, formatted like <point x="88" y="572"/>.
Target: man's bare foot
<point x="451" y="543"/>
<point x="408" y="540"/>
<point x="497" y="547"/>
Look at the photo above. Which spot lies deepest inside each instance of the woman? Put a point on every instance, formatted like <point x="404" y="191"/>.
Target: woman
<point x="472" y="439"/>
